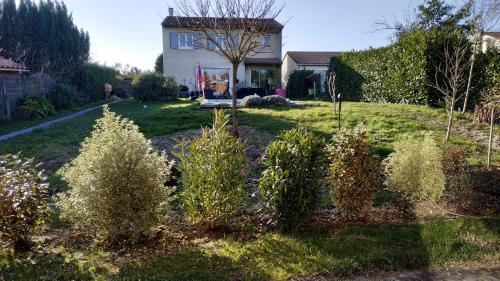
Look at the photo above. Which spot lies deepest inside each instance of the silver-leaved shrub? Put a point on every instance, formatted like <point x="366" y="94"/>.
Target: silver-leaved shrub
<point x="212" y="168"/>
<point x="116" y="182"/>
<point x="414" y="171"/>
<point x="23" y="191"/>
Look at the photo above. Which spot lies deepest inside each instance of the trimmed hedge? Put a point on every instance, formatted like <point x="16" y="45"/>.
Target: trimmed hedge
<point x="299" y="82"/>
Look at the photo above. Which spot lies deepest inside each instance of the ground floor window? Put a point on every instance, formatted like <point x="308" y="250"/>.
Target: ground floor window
<point x="265" y="78"/>
<point x="216" y="79"/>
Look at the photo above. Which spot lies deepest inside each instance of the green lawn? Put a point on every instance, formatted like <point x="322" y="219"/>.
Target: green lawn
<point x="278" y="257"/>
<point x="385" y="124"/>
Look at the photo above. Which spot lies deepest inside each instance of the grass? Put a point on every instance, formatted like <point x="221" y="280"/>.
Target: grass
<point x="385" y="123"/>
<point x="279" y="257"/>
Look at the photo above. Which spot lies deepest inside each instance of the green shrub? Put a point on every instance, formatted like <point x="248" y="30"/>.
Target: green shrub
<point x="414" y="171"/>
<point x="299" y="82"/>
<point x="274" y="100"/>
<point x="35" y="107"/>
<point x="89" y="80"/>
<point x="63" y="96"/>
<point x="290" y="185"/>
<point x="352" y="173"/>
<point x="153" y="86"/>
<point x="212" y="169"/>
<point x="117" y="181"/>
<point x="252" y="101"/>
<point x="23" y="190"/>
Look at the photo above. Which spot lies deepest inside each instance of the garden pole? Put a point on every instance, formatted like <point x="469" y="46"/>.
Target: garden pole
<point x="340" y="108"/>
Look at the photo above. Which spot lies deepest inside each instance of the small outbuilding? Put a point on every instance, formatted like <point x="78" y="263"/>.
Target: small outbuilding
<point x="12" y="86"/>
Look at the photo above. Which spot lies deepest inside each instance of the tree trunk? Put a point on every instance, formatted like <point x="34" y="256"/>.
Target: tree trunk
<point x="234" y="97"/>
<point x="490" y="141"/>
<point x="450" y="120"/>
<point x="466" y="99"/>
<point x="340" y="109"/>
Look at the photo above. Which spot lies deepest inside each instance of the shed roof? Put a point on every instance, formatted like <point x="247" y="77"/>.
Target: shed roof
<point x="7" y="65"/>
<point x="313" y="58"/>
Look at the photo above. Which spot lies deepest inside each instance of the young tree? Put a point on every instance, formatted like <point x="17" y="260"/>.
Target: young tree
<point x="450" y="76"/>
<point x="485" y="15"/>
<point x="233" y="29"/>
<point x="332" y="90"/>
<point x="492" y="100"/>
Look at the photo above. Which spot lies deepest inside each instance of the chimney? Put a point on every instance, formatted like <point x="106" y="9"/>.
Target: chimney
<point x="171" y="12"/>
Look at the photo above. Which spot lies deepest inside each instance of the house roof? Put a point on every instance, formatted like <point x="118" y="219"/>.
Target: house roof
<point x="313" y="58"/>
<point x="262" y="61"/>
<point x="270" y="25"/>
<point x="7" y="65"/>
<point x="495" y="34"/>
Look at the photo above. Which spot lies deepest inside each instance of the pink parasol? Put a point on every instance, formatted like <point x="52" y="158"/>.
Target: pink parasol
<point x="200" y="82"/>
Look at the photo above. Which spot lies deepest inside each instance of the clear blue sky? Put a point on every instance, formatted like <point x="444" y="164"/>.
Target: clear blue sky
<point x="129" y="31"/>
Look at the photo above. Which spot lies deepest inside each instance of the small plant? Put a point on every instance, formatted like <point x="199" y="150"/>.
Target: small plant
<point x="117" y="181"/>
<point x="415" y="172"/>
<point x="212" y="168"/>
<point x="23" y="190"/>
<point x="274" y="100"/>
<point x="290" y="185"/>
<point x="35" y="107"/>
<point x="252" y="101"/>
<point x="153" y="86"/>
<point x="352" y="173"/>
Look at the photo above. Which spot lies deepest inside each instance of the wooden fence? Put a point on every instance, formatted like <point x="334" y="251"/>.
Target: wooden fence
<point x="14" y="87"/>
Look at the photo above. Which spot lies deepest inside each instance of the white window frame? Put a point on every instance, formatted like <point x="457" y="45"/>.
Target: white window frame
<point x="186" y="36"/>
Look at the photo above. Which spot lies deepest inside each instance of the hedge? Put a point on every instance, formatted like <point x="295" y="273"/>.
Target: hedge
<point x="401" y="72"/>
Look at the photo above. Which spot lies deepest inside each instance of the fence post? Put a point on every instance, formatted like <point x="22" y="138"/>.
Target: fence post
<point x="6" y="101"/>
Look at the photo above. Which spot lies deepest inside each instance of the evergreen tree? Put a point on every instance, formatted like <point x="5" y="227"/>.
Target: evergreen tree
<point x="159" y="64"/>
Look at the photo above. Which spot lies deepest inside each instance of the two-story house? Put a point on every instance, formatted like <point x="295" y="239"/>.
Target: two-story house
<point x="183" y="50"/>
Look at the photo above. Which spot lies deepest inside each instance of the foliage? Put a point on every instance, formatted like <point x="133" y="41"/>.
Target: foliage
<point x="299" y="82"/>
<point x="42" y="35"/>
<point x="392" y="74"/>
<point x="35" y="107"/>
<point x="274" y="100"/>
<point x="152" y="86"/>
<point x="117" y="181"/>
<point x="64" y="96"/>
<point x="352" y="173"/>
<point x="183" y="88"/>
<point x="291" y="183"/>
<point x="212" y="168"/>
<point x="252" y="101"/>
<point x="89" y="80"/>
<point x="159" y="64"/>
<point x="22" y="198"/>
<point x="414" y="171"/>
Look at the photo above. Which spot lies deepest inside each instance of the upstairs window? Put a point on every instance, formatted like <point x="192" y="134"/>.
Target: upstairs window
<point x="266" y="40"/>
<point x="186" y="40"/>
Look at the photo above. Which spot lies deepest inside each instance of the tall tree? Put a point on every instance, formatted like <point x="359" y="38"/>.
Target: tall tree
<point x="159" y="64"/>
<point x="234" y="28"/>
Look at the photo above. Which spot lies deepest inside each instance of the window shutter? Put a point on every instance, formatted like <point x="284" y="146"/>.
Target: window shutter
<point x="197" y="40"/>
<point x="267" y="40"/>
<point x="235" y="37"/>
<point x="174" y="40"/>
<point x="210" y="43"/>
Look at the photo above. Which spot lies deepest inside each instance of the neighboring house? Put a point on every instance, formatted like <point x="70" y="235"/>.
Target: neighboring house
<point x="317" y="61"/>
<point x="491" y="40"/>
<point x="183" y="50"/>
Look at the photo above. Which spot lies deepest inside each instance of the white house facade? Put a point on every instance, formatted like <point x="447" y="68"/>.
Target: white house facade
<point x="183" y="50"/>
<point x="316" y="61"/>
<point x="490" y="40"/>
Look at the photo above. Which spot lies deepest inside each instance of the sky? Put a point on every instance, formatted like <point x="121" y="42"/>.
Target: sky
<point x="129" y="31"/>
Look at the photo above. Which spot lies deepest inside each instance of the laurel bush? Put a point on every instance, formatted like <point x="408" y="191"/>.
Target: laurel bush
<point x="294" y="174"/>
<point x="252" y="101"/>
<point x="212" y="168"/>
<point x="23" y="191"/>
<point x="414" y="171"/>
<point x="117" y="182"/>
<point x="352" y="173"/>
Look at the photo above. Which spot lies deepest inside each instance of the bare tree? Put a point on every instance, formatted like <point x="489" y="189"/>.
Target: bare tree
<point x="485" y="15"/>
<point x="234" y="29"/>
<point x="450" y="77"/>
<point x="332" y="90"/>
<point x="492" y="101"/>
